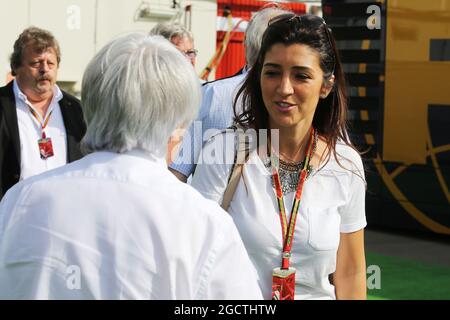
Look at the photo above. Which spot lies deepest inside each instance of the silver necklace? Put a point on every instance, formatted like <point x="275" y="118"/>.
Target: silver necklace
<point x="289" y="172"/>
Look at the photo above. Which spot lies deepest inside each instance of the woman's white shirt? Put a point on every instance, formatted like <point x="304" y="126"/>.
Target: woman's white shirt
<point x="333" y="202"/>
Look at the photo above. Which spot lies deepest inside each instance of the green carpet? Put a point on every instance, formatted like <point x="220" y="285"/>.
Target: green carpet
<point x="403" y="279"/>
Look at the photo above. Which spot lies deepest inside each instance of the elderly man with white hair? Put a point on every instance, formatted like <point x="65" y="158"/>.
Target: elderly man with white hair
<point x="117" y="224"/>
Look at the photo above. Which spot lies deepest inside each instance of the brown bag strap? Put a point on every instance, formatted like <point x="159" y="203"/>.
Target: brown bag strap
<point x="239" y="160"/>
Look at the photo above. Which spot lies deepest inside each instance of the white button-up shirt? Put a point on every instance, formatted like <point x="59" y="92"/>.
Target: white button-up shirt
<point x="118" y="226"/>
<point x="30" y="132"/>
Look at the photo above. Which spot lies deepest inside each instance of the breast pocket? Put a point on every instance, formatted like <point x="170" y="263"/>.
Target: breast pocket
<point x="324" y="226"/>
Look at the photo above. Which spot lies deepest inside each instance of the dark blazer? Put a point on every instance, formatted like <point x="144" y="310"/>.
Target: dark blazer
<point x="10" y="140"/>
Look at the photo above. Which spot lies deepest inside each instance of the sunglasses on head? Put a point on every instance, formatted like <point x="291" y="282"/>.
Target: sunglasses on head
<point x="292" y="17"/>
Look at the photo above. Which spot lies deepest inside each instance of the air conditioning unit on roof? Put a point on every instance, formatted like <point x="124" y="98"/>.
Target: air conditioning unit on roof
<point x="148" y="11"/>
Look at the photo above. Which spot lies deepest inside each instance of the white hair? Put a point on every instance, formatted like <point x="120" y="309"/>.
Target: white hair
<point x="170" y="30"/>
<point x="135" y="92"/>
<point x="255" y="31"/>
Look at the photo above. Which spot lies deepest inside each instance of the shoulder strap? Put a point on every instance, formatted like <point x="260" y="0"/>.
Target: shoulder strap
<point x="239" y="160"/>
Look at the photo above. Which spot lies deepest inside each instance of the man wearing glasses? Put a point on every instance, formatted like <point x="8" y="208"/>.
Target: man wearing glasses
<point x="179" y="36"/>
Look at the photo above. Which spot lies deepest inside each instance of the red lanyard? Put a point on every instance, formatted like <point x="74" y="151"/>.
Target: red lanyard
<point x="288" y="231"/>
<point x="44" y="123"/>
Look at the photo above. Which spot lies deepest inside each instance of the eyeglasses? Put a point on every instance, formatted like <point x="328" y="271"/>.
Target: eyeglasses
<point x="288" y="17"/>
<point x="190" y="53"/>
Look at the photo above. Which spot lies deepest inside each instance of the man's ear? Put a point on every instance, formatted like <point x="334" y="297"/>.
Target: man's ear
<point x="327" y="87"/>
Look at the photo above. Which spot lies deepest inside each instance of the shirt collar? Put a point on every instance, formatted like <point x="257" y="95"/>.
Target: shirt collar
<point x="156" y="157"/>
<point x="18" y="94"/>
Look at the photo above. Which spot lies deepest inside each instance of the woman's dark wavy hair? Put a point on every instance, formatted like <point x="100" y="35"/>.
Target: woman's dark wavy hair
<point x="330" y="118"/>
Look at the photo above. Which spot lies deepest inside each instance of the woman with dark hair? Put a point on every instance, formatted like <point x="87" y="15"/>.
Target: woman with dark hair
<point x="297" y="89"/>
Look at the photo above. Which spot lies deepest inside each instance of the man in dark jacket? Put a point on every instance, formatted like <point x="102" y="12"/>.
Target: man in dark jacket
<point x="40" y="125"/>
